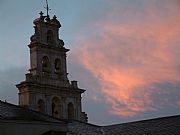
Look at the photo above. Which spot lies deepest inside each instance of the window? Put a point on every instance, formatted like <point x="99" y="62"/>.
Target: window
<point x="45" y="63"/>
<point x="50" y="36"/>
<point x="70" y="111"/>
<point x="41" y="106"/>
<point x="57" y="65"/>
<point x="56" y="107"/>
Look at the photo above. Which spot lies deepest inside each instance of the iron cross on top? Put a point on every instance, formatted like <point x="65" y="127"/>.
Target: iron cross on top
<point x="47" y="8"/>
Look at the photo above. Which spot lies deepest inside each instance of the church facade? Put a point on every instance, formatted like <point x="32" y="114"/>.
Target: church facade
<point x="49" y="104"/>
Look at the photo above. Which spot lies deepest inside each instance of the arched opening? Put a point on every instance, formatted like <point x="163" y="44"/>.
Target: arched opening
<point x="45" y="63"/>
<point x="70" y="111"/>
<point x="57" y="65"/>
<point x="41" y="106"/>
<point x="56" y="107"/>
<point x="50" y="37"/>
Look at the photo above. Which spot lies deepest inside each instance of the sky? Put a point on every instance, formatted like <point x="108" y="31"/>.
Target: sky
<point x="125" y="53"/>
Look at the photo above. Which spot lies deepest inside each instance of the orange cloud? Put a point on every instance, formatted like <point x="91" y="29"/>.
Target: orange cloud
<point x="128" y="58"/>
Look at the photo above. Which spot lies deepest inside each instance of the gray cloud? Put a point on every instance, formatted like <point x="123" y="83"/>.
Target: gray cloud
<point x="8" y="79"/>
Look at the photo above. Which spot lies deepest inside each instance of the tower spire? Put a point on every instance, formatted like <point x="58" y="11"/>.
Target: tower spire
<point x="47" y="8"/>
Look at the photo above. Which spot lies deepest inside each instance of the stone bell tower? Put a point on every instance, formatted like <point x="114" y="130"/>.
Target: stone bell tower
<point x="47" y="88"/>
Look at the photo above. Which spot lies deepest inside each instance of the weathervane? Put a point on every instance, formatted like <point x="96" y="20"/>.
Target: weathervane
<point x="47" y="8"/>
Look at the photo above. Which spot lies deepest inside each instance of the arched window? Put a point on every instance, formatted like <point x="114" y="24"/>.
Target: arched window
<point x="50" y="38"/>
<point x="41" y="106"/>
<point x="56" y="107"/>
<point x="45" y="63"/>
<point x="57" y="65"/>
<point x="70" y="111"/>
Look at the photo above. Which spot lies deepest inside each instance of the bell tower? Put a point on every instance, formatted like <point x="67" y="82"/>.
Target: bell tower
<point x="47" y="88"/>
<point x="47" y="51"/>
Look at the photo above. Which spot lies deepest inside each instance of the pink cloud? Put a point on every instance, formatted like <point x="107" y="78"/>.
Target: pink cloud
<point x="129" y="57"/>
<point x="178" y="103"/>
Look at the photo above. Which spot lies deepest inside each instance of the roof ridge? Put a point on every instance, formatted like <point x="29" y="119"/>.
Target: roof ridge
<point x="146" y="120"/>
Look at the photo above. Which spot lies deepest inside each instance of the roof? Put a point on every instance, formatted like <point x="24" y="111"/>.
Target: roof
<point x="159" y="126"/>
<point x="14" y="112"/>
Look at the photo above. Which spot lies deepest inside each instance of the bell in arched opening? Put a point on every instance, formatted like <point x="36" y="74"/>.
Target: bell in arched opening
<point x="45" y="64"/>
<point x="57" y="65"/>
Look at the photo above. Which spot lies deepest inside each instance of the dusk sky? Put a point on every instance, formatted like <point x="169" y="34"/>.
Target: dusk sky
<point x="125" y="53"/>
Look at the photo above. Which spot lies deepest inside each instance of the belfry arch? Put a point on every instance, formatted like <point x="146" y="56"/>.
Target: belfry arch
<point x="70" y="110"/>
<point x="45" y="63"/>
<point x="41" y="106"/>
<point x="56" y="107"/>
<point x="50" y="36"/>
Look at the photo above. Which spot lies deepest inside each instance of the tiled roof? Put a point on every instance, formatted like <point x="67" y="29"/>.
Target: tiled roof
<point x="15" y="112"/>
<point x="159" y="126"/>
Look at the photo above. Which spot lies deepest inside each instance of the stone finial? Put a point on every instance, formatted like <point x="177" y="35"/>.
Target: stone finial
<point x="54" y="17"/>
<point x="74" y="84"/>
<point x="41" y="14"/>
<point x="55" y="22"/>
